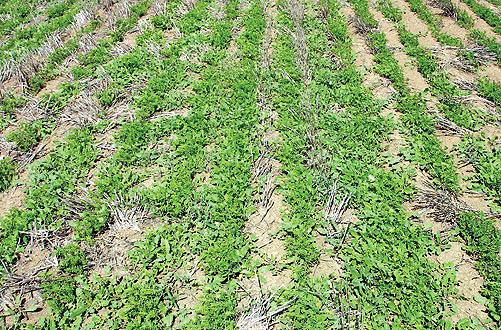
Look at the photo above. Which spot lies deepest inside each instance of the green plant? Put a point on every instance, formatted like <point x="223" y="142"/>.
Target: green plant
<point x="490" y="90"/>
<point x="71" y="259"/>
<point x="484" y="243"/>
<point x="486" y="159"/>
<point x="7" y="173"/>
<point x="28" y="135"/>
<point x="486" y="14"/>
<point x="481" y="38"/>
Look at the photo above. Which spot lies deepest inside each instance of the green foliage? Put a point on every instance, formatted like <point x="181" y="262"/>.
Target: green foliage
<point x="481" y="38"/>
<point x="60" y="295"/>
<point x="203" y="189"/>
<point x="71" y="259"/>
<point x="222" y="35"/>
<point x="93" y="220"/>
<point x="486" y="159"/>
<point x="194" y="19"/>
<point x="80" y="72"/>
<point x="99" y="55"/>
<point x="217" y="308"/>
<point x="484" y="244"/>
<point x="433" y="23"/>
<point x="391" y="281"/>
<point x="440" y="86"/>
<point x="51" y="179"/>
<point x="486" y="14"/>
<point x="490" y="90"/>
<point x="50" y="69"/>
<point x="144" y="300"/>
<point x="8" y="105"/>
<point x="30" y="37"/>
<point x="426" y="149"/>
<point x="250" y="40"/>
<point x="386" y="64"/>
<point x="7" y="173"/>
<point x="59" y="9"/>
<point x="389" y="11"/>
<point x="469" y="57"/>
<point x="28" y="135"/>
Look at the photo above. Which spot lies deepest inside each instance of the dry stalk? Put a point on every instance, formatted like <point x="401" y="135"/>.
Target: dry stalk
<point x="126" y="212"/>
<point x="259" y="313"/>
<point x="154" y="49"/>
<point x="447" y="7"/>
<point x="159" y="7"/>
<point x="35" y="109"/>
<point x="349" y="318"/>
<point x="334" y="213"/>
<point x="39" y="238"/>
<point x="296" y="11"/>
<point x="53" y="42"/>
<point x="122" y="9"/>
<point x="20" y="69"/>
<point x="444" y="206"/>
<point x="465" y="84"/>
<point x="445" y="126"/>
<point x="334" y="210"/>
<point x="217" y="10"/>
<point x="82" y="18"/>
<point x="87" y="42"/>
<point x="120" y="110"/>
<point x="473" y="100"/>
<point x="361" y="27"/>
<point x="481" y="54"/>
<point x="121" y="49"/>
<point x="186" y="6"/>
<point x="81" y="111"/>
<point x="14" y="285"/>
<point x="262" y="165"/>
<point x="105" y="5"/>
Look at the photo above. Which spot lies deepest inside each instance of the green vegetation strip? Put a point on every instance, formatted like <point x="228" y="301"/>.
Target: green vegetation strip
<point x="225" y="101"/>
<point x="385" y="268"/>
<point x="485" y="13"/>
<point x="428" y="65"/>
<point x="433" y="23"/>
<point x="481" y="236"/>
<point x="483" y="241"/>
<point x="491" y="43"/>
<point x="485" y="156"/>
<point x="7" y="173"/>
<point x="58" y="17"/>
<point x="419" y="128"/>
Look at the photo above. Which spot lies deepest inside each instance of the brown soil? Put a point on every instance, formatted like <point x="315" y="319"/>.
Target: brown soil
<point x="52" y="86"/>
<point x="12" y="86"/>
<point x="493" y="71"/>
<point x="12" y="198"/>
<point x="470" y="283"/>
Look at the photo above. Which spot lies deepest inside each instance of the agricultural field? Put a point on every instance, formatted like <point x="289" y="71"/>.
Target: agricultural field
<point x="250" y="164"/>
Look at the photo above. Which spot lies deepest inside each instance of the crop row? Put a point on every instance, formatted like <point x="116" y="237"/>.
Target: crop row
<point x="473" y="229"/>
<point x="418" y="124"/>
<point x="333" y="132"/>
<point x="486" y="14"/>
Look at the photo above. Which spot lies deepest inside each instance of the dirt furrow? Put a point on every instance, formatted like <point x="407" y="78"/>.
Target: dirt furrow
<point x="265" y="222"/>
